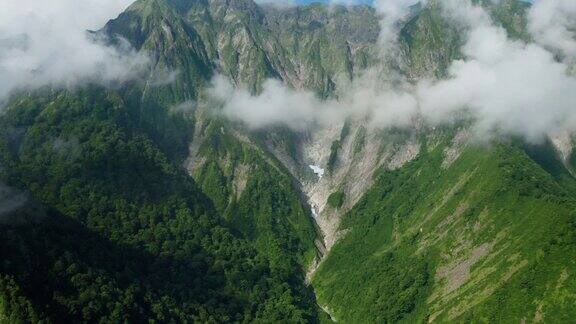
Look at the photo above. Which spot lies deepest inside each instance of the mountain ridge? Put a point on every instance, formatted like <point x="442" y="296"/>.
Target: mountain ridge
<point x="156" y="206"/>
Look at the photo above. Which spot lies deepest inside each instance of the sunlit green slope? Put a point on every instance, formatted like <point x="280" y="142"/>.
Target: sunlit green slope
<point x="491" y="238"/>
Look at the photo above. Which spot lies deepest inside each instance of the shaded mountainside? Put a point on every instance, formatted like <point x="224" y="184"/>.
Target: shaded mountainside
<point x="127" y="235"/>
<point x="143" y="203"/>
<point x="253" y="191"/>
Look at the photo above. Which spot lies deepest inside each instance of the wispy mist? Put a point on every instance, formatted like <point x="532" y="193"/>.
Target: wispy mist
<point x="552" y="23"/>
<point x="10" y="200"/>
<point x="47" y="43"/>
<point x="392" y="12"/>
<point x="506" y="86"/>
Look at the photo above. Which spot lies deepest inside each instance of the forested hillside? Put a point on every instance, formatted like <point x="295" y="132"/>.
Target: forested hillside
<point x="127" y="234"/>
<point x="147" y="200"/>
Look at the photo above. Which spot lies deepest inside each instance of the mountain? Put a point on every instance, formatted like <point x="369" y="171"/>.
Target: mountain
<point x="142" y="202"/>
<point x="488" y="236"/>
<point x="127" y="235"/>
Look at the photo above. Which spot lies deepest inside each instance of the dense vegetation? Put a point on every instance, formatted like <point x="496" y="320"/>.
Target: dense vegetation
<point x="257" y="196"/>
<point x="492" y="231"/>
<point x="127" y="235"/>
<point x="116" y="230"/>
<point x="336" y="199"/>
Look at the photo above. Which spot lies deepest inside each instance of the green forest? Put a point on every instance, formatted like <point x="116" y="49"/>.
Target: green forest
<point x="120" y="232"/>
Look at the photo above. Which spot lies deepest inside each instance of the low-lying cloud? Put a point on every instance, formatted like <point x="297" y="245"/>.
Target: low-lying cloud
<point x="506" y="86"/>
<point x="391" y="13"/>
<point x="300" y="109"/>
<point x="510" y="86"/>
<point x="10" y="200"/>
<point x="46" y="43"/>
<point x="277" y="104"/>
<point x="552" y="23"/>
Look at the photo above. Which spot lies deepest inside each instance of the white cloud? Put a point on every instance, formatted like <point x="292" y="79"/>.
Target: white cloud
<point x="507" y="86"/>
<point x="553" y="24"/>
<point x="300" y="109"/>
<point x="46" y="43"/>
<point x="277" y="104"/>
<point x="392" y="12"/>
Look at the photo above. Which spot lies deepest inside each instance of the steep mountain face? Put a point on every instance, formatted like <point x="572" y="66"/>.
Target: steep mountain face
<point x="323" y="45"/>
<point x="180" y="61"/>
<point x="312" y="47"/>
<point x="307" y="47"/>
<point x="486" y="236"/>
<point x="429" y="45"/>
<point x="145" y="203"/>
<point x="254" y="192"/>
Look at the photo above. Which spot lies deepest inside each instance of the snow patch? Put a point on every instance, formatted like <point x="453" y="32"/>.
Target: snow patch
<point x="314" y="213"/>
<point x="318" y="170"/>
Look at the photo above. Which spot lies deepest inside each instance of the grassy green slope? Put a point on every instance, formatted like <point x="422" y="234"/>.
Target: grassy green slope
<point x="492" y="239"/>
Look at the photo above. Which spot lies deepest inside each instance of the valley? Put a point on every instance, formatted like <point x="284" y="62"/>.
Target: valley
<point x="297" y="164"/>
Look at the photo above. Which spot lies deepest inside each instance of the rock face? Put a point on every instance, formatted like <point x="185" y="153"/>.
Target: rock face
<point x="564" y="146"/>
<point x="453" y="152"/>
<point x="350" y="154"/>
<point x="306" y="47"/>
<point x="312" y="47"/>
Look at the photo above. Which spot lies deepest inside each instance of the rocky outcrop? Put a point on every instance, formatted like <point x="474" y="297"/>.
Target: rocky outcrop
<point x="349" y="169"/>
<point x="459" y="142"/>
<point x="564" y="146"/>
